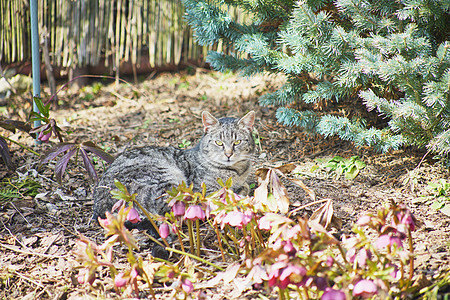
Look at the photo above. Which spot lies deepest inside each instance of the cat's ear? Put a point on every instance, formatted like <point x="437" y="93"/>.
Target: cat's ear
<point x="248" y="120"/>
<point x="208" y="120"/>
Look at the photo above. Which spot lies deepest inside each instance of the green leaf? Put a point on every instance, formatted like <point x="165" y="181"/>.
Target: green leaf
<point x="120" y="186"/>
<point x="229" y="182"/>
<point x="314" y="168"/>
<point x="360" y="164"/>
<point x="436" y="205"/>
<point x="337" y="159"/>
<point x="352" y="173"/>
<point x="446" y="210"/>
<point x="43" y="109"/>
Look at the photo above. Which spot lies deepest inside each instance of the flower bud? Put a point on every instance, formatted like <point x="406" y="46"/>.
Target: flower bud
<point x="133" y="215"/>
<point x="164" y="230"/>
<point x="187" y="286"/>
<point x="178" y="208"/>
<point x="119" y="281"/>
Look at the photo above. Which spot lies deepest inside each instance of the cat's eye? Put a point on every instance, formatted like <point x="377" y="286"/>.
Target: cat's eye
<point x="219" y="143"/>
<point x="237" y="142"/>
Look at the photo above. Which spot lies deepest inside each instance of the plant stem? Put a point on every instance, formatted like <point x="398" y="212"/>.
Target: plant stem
<point x="195" y="257"/>
<point x="21" y="145"/>
<point x="411" y="259"/>
<point x="150" y="218"/>
<point x="191" y="236"/>
<point x="197" y="225"/>
<point x="219" y="239"/>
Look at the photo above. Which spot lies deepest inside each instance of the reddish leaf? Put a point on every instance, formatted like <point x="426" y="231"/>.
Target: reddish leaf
<point x="309" y="191"/>
<point x="55" y="151"/>
<point x="88" y="164"/>
<point x="61" y="165"/>
<point x="323" y="214"/>
<point x="43" y="127"/>
<point x="287" y="168"/>
<point x="91" y="147"/>
<point x="4" y="151"/>
<point x="279" y="192"/>
<point x="12" y="125"/>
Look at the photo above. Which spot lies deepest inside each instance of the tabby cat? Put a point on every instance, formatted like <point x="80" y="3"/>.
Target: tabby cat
<point x="225" y="150"/>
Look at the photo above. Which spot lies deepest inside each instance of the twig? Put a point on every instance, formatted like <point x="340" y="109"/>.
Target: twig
<point x="33" y="282"/>
<point x="13" y="235"/>
<point x="196" y="258"/>
<point x="306" y="205"/>
<point x="28" y="252"/>
<point x="23" y="217"/>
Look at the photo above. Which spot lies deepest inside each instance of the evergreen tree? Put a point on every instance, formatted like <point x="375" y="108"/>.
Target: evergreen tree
<point x="391" y="56"/>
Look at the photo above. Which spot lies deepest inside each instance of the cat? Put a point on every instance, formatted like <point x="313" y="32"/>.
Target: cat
<point x="225" y="150"/>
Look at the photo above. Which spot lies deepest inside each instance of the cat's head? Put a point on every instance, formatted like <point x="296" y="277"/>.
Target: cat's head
<point x="228" y="141"/>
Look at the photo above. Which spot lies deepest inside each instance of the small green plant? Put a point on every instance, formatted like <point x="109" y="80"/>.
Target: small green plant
<point x="90" y="92"/>
<point x="18" y="188"/>
<point x="183" y="86"/>
<point x="174" y="120"/>
<point x="184" y="144"/>
<point x="348" y="167"/>
<point x="49" y="127"/>
<point x="440" y="198"/>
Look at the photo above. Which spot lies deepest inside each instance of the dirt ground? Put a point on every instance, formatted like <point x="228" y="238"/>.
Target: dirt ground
<point x="37" y="234"/>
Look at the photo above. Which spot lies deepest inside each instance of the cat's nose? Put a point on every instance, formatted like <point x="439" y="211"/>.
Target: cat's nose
<point x="228" y="154"/>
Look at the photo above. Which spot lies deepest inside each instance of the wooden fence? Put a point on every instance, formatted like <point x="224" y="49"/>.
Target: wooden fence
<point x="92" y="32"/>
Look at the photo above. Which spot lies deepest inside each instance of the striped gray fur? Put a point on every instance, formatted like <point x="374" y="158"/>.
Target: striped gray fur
<point x="225" y="150"/>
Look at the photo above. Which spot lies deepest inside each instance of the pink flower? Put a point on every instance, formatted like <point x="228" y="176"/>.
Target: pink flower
<point x="289" y="248"/>
<point x="234" y="218"/>
<point x="395" y="273"/>
<point x="44" y="137"/>
<point x="387" y="240"/>
<point x="164" y="230"/>
<point x="331" y="294"/>
<point x="292" y="274"/>
<point x="187" y="286"/>
<point x="281" y="275"/>
<point x="362" y="256"/>
<point x="178" y="208"/>
<point x="86" y="275"/>
<point x="194" y="212"/>
<point x="330" y="261"/>
<point x="119" y="281"/>
<point x="364" y="220"/>
<point x="264" y="223"/>
<point x="274" y="273"/>
<point x="133" y="215"/>
<point x="408" y="220"/>
<point x="365" y="288"/>
<point x="351" y="255"/>
<point x="118" y="205"/>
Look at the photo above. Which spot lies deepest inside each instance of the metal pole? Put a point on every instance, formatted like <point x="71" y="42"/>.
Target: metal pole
<point x="35" y="58"/>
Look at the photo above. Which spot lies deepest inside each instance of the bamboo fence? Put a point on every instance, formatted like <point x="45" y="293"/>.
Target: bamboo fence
<point x="92" y="32"/>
